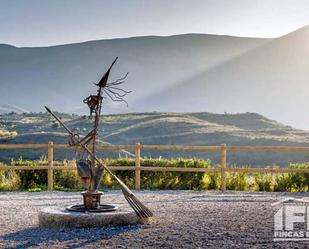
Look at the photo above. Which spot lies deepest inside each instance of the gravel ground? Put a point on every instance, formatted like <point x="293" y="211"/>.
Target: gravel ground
<point x="184" y="219"/>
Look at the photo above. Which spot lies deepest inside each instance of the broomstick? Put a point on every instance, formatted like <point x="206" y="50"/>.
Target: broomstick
<point x="142" y="211"/>
<point x="94" y="102"/>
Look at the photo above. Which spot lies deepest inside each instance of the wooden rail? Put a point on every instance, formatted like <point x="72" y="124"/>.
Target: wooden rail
<point x="223" y="149"/>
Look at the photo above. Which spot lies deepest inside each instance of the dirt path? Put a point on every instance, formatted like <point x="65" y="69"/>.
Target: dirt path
<point x="184" y="219"/>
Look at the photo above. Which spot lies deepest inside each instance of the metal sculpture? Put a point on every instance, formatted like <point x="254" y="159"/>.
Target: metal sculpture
<point x="89" y="167"/>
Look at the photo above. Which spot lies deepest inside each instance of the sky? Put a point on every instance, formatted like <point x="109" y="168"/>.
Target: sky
<point x="52" y="22"/>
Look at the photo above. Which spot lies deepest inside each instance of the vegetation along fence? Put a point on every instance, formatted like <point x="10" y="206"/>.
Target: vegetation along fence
<point x="138" y="168"/>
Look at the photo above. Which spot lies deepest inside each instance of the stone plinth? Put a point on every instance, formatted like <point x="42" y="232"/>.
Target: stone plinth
<point x="57" y="217"/>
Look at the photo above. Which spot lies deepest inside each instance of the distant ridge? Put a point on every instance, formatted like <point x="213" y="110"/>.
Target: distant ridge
<point x="181" y="73"/>
<point x="32" y="77"/>
<point x="5" y="108"/>
<point x="242" y="129"/>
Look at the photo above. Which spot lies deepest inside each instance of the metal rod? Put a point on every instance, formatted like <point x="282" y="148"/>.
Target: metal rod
<point x="141" y="210"/>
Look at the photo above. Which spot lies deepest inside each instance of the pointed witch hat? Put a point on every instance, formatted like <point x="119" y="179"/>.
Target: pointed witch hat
<point x="103" y="81"/>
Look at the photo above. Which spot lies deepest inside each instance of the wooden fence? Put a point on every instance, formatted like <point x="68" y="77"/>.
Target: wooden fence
<point x="138" y="168"/>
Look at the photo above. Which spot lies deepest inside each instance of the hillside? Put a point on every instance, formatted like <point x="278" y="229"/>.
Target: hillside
<point x="271" y="79"/>
<point x="166" y="129"/>
<point x="63" y="75"/>
<point x="182" y="73"/>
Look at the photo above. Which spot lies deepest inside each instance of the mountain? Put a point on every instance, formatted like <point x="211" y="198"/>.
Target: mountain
<point x="272" y="79"/>
<point x="182" y="73"/>
<point x="5" y="108"/>
<point x="61" y="76"/>
<point x="245" y="129"/>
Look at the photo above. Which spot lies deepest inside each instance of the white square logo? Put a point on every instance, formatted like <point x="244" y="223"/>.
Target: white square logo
<point x="291" y="221"/>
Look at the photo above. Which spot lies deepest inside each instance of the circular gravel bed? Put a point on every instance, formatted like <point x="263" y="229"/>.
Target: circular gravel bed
<point x="184" y="219"/>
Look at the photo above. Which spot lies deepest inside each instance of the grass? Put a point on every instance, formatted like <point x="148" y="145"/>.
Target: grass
<point x="68" y="180"/>
<point x="162" y="128"/>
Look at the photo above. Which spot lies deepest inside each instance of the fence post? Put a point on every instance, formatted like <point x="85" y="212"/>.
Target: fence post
<point x="50" y="171"/>
<point x="138" y="166"/>
<point x="223" y="167"/>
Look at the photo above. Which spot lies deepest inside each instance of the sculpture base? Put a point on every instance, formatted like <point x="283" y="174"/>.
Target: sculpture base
<point x="56" y="217"/>
<point x="92" y="200"/>
<point x="99" y="209"/>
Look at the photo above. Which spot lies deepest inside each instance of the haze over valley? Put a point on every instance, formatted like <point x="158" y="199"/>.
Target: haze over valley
<point x="182" y="73"/>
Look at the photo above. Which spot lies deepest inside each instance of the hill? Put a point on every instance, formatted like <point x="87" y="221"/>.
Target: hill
<point x="61" y="76"/>
<point x="166" y="129"/>
<point x="182" y="73"/>
<point x="271" y="79"/>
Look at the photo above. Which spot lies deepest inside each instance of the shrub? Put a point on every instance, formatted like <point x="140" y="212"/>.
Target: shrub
<point x="283" y="183"/>
<point x="158" y="180"/>
<point x="9" y="181"/>
<point x="263" y="182"/>
<point x="126" y="176"/>
<point x="55" y="125"/>
<point x="290" y="182"/>
<point x="299" y="181"/>
<point x="67" y="179"/>
<point x="173" y="180"/>
<point x="210" y="181"/>
<point x="237" y="181"/>
<point x="35" y="189"/>
<point x="30" y="178"/>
